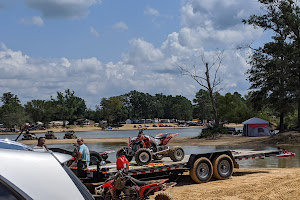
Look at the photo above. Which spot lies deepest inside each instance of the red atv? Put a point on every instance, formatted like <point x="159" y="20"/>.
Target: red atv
<point x="144" y="148"/>
<point x="123" y="187"/>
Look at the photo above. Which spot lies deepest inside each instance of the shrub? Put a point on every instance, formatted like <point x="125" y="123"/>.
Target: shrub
<point x="212" y="132"/>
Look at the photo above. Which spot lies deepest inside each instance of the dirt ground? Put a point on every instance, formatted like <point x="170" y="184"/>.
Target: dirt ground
<point x="246" y="184"/>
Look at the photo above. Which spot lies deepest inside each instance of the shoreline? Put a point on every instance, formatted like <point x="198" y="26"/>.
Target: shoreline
<point x="224" y="140"/>
<point x="125" y="127"/>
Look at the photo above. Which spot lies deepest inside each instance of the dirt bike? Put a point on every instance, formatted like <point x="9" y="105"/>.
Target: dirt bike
<point x="144" y="148"/>
<point x="124" y="187"/>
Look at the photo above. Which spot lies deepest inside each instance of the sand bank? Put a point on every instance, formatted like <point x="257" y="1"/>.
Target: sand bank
<point x="246" y="184"/>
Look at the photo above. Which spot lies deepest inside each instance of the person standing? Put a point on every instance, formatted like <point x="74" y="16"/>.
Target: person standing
<point x="41" y="145"/>
<point x="83" y="155"/>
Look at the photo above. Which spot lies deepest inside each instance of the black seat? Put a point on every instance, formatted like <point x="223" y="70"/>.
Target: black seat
<point x="142" y="183"/>
<point x="164" y="135"/>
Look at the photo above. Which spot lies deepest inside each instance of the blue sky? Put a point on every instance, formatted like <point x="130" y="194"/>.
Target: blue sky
<point x="103" y="48"/>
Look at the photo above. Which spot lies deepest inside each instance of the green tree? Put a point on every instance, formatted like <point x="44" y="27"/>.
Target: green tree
<point x="68" y="106"/>
<point x="139" y="105"/>
<point x="275" y="68"/>
<point x="9" y="98"/>
<point x="40" y="110"/>
<point x="233" y="107"/>
<point x="11" y="112"/>
<point x="181" y="108"/>
<point x="113" y="110"/>
<point x="202" y="106"/>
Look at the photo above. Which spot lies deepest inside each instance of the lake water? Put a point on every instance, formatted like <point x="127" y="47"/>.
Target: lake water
<point x="184" y="132"/>
<point x="271" y="162"/>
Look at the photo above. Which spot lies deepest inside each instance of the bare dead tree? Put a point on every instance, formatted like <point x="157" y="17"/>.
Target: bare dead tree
<point x="209" y="80"/>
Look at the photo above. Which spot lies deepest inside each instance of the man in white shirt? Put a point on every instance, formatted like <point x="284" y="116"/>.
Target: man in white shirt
<point x="41" y="145"/>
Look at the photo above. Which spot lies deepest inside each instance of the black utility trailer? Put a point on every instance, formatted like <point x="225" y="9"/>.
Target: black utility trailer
<point x="201" y="166"/>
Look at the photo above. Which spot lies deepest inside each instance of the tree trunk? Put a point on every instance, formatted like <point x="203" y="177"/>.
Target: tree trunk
<point x="281" y="125"/>
<point x="298" y="113"/>
<point x="211" y="95"/>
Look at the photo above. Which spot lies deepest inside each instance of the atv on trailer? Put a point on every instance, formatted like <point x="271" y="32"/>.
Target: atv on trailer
<point x="50" y="135"/>
<point x="70" y="135"/>
<point x="145" y="148"/>
<point x="29" y="136"/>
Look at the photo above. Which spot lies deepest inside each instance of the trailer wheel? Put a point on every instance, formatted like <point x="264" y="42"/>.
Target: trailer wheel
<point x="176" y="154"/>
<point x="202" y="170"/>
<point x="143" y="156"/>
<point x="164" y="196"/>
<point x="127" y="152"/>
<point x="222" y="167"/>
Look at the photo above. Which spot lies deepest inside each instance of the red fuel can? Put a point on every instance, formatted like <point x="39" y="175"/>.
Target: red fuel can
<point x="122" y="162"/>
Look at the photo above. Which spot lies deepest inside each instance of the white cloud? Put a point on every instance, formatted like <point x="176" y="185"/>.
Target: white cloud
<point x="62" y="8"/>
<point x="36" y="20"/>
<point x="142" y="52"/>
<point x="119" y="70"/>
<point x="65" y="62"/>
<point x="94" y="32"/>
<point x="151" y="11"/>
<point x="120" y="26"/>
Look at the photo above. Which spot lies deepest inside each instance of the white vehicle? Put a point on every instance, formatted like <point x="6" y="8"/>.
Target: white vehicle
<point x="9" y="144"/>
<point x="25" y="174"/>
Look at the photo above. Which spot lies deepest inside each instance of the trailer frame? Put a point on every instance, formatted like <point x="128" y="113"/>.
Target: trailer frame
<point x="202" y="166"/>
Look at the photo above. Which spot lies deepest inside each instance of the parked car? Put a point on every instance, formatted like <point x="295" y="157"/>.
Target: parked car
<point x="38" y="175"/>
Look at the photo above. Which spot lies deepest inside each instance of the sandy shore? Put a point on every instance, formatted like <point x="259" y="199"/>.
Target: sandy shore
<point x="124" y="127"/>
<point x="246" y="184"/>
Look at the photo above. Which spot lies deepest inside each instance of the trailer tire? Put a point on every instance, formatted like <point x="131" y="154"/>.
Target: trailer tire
<point x="164" y="196"/>
<point x="202" y="170"/>
<point x="176" y="153"/>
<point x="222" y="167"/>
<point x="143" y="156"/>
<point x="127" y="152"/>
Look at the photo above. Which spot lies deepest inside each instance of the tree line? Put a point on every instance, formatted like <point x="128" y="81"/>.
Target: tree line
<point x="133" y="105"/>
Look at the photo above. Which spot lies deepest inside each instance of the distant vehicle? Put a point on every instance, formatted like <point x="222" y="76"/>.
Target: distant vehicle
<point x="38" y="175"/>
<point x="50" y="135"/>
<point x="29" y="136"/>
<point x="231" y="130"/>
<point x="70" y="135"/>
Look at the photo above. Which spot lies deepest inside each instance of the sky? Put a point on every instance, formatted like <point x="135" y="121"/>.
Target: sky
<point x="104" y="48"/>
